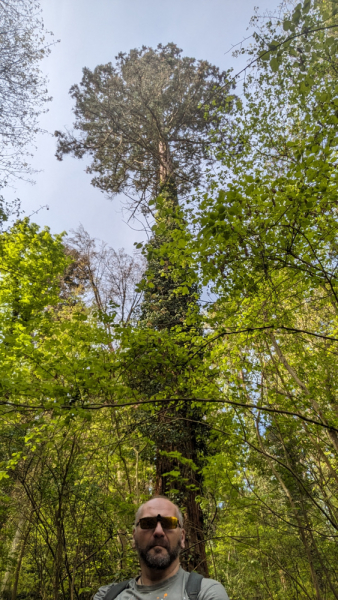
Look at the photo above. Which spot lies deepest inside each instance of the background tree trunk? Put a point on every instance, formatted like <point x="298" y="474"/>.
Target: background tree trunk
<point x="11" y="554"/>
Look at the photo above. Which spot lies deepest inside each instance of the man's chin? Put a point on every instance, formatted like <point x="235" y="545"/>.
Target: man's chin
<point x="157" y="561"/>
<point x="158" y="557"/>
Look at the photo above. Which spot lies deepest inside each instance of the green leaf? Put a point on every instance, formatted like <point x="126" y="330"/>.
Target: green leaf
<point x="296" y="15"/>
<point x="306" y="6"/>
<point x="174" y="474"/>
<point x="221" y="196"/>
<point x="274" y="64"/>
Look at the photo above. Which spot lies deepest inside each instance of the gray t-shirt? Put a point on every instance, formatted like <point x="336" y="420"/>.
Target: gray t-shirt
<point x="170" y="589"/>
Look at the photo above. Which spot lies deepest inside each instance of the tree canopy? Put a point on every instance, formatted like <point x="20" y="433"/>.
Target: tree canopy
<point x="144" y="120"/>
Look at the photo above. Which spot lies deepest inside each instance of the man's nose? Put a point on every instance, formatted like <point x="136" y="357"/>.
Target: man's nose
<point x="158" y="532"/>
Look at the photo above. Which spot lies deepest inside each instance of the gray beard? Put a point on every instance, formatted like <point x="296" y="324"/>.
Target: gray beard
<point x="158" y="561"/>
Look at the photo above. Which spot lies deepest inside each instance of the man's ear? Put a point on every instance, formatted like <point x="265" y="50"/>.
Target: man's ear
<point x="133" y="542"/>
<point x="183" y="539"/>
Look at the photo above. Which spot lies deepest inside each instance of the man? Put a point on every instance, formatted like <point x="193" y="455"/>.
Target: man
<point x="159" y="538"/>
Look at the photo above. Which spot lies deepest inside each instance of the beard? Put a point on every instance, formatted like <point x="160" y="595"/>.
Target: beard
<point x="158" y="561"/>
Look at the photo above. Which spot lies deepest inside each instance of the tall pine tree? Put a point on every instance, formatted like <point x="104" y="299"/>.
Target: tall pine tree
<point x="145" y="125"/>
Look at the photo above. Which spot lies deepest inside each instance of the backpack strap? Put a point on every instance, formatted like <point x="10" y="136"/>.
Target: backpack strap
<point x="116" y="589"/>
<point x="193" y="586"/>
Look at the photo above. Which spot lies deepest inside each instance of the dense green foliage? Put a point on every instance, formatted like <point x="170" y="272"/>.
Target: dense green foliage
<point x="91" y="402"/>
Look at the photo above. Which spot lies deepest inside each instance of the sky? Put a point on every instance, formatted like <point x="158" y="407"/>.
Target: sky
<point x="92" y="33"/>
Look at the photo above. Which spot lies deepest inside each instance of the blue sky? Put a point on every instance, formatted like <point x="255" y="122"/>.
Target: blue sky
<point x="93" y="33"/>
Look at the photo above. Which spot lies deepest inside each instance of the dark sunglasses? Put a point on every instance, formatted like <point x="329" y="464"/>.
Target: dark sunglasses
<point x="166" y="522"/>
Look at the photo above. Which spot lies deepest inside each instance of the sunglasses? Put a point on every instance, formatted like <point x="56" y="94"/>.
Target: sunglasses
<point x="166" y="522"/>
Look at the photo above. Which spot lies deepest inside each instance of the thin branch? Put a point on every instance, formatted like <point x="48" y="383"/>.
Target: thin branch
<point x="206" y="400"/>
<point x="263" y="328"/>
<point x="288" y="39"/>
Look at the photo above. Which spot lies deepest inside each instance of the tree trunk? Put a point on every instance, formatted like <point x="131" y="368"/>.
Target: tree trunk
<point x="162" y="309"/>
<point x="58" y="558"/>
<point x="20" y="557"/>
<point x="12" y="551"/>
<point x="188" y="486"/>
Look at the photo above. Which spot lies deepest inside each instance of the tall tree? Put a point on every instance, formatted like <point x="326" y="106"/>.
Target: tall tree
<point x="144" y="124"/>
<point x="143" y="121"/>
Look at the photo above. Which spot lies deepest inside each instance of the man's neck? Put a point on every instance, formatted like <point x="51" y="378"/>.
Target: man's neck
<point x="154" y="576"/>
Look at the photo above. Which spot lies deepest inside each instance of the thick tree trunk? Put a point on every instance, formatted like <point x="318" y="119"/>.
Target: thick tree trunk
<point x="188" y="486"/>
<point x="194" y="557"/>
<point x="162" y="309"/>
<point x="166" y="166"/>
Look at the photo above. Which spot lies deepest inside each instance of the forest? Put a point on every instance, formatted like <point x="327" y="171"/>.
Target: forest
<point x="202" y="366"/>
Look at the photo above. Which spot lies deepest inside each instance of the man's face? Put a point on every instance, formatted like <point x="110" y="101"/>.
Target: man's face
<point x="158" y="548"/>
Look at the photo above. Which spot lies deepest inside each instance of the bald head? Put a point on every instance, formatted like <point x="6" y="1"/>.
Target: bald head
<point x="159" y="505"/>
<point x="158" y="546"/>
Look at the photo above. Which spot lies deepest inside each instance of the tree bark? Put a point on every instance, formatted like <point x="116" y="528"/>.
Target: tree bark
<point x="20" y="557"/>
<point x="188" y="486"/>
<point x="11" y="553"/>
<point x="173" y="432"/>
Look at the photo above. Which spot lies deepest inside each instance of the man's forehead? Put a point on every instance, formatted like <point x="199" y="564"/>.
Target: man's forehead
<point x="159" y="506"/>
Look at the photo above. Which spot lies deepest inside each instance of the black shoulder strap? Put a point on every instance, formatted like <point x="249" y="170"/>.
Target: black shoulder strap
<point x="193" y="586"/>
<point x="116" y="589"/>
